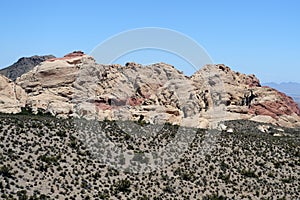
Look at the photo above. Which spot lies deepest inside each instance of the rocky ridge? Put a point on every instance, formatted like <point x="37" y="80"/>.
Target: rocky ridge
<point x="23" y="65"/>
<point x="76" y="86"/>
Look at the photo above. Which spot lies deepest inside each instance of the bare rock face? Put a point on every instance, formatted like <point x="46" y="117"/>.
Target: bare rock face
<point x="277" y="105"/>
<point x="48" y="85"/>
<point x="283" y="105"/>
<point x="12" y="96"/>
<point x="76" y="86"/>
<point x="131" y="92"/>
<point x="246" y="99"/>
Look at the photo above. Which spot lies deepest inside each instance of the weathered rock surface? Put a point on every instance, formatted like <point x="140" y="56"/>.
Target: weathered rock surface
<point x="76" y="86"/>
<point x="23" y="65"/>
<point x="49" y="85"/>
<point x="246" y="99"/>
<point x="12" y="96"/>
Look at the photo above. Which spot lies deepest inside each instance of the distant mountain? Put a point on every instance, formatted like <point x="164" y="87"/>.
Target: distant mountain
<point x="23" y="65"/>
<point x="290" y="88"/>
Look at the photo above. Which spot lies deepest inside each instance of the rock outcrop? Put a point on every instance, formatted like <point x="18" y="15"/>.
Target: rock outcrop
<point x="12" y="96"/>
<point x="76" y="86"/>
<point x="23" y="65"/>
<point x="246" y="99"/>
<point x="49" y="85"/>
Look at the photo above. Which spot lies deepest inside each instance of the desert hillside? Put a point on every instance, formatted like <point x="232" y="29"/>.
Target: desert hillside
<point x="47" y="158"/>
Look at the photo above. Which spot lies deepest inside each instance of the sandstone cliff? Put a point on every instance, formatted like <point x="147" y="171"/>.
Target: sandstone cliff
<point x="246" y="99"/>
<point x="76" y="86"/>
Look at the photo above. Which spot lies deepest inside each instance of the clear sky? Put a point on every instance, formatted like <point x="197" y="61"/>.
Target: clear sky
<point x="260" y="37"/>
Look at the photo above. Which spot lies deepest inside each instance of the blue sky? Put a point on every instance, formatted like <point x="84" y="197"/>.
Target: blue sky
<point x="260" y="37"/>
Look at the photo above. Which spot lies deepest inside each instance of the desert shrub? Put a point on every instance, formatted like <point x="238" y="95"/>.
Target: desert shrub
<point x="187" y="176"/>
<point x="111" y="172"/>
<point x="141" y="122"/>
<point x="49" y="159"/>
<point x="278" y="164"/>
<point x="225" y="178"/>
<point x="290" y="179"/>
<point x="168" y="189"/>
<point x="271" y="175"/>
<point x="6" y="171"/>
<point x="223" y="166"/>
<point x="28" y="112"/>
<point x="144" y="197"/>
<point x="103" y="195"/>
<point x="123" y="186"/>
<point x="22" y="195"/>
<point x="73" y="143"/>
<point x="25" y="111"/>
<point x="214" y="197"/>
<point x="249" y="173"/>
<point x="61" y="133"/>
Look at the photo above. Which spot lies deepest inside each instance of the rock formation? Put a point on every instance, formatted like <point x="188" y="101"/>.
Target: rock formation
<point x="76" y="86"/>
<point x="246" y="99"/>
<point x="23" y="65"/>
<point x="12" y="96"/>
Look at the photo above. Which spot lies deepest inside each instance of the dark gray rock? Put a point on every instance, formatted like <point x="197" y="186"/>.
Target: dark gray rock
<point x="23" y="65"/>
